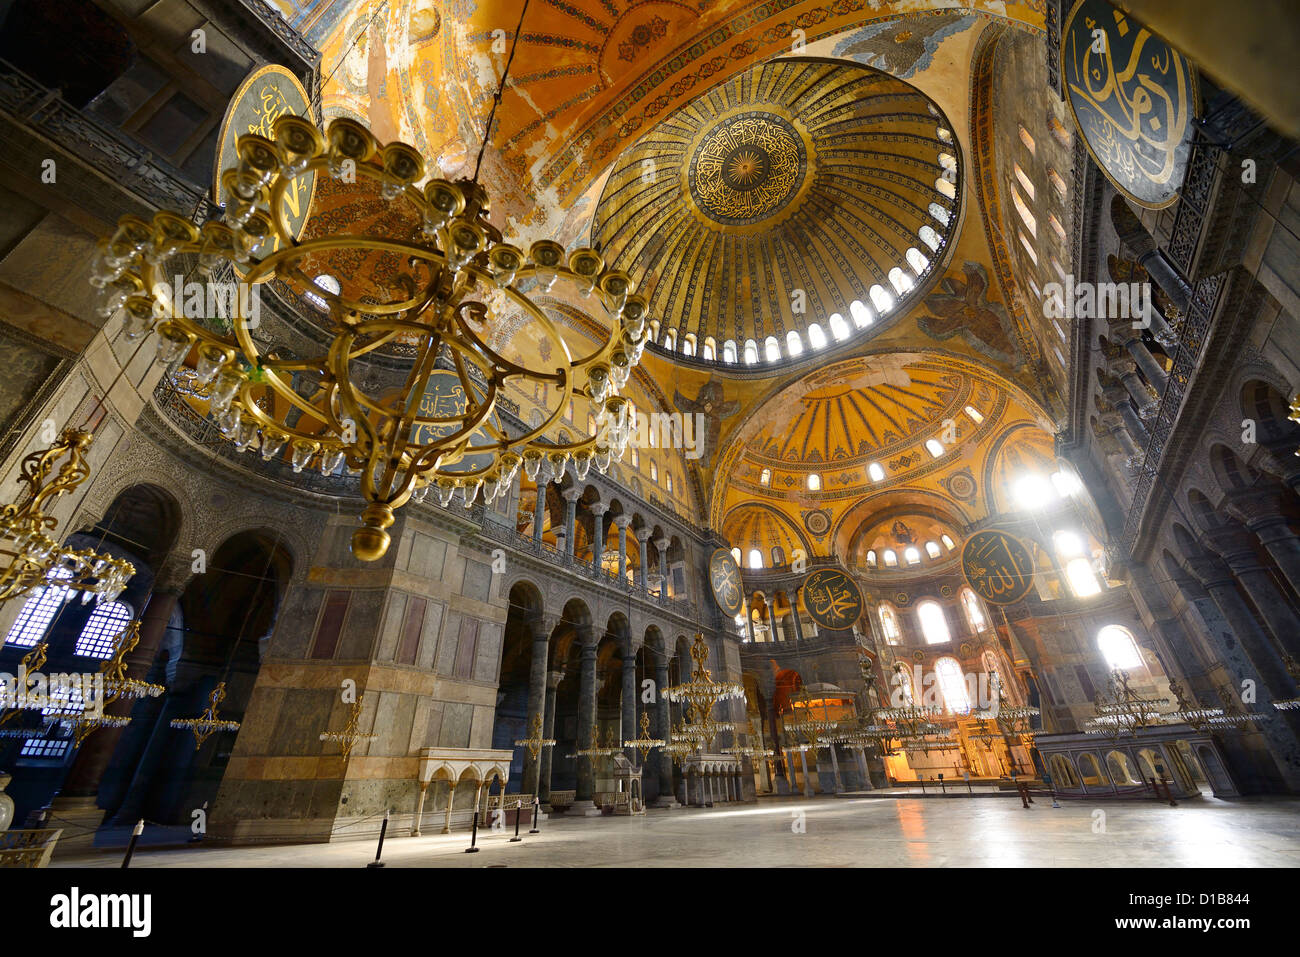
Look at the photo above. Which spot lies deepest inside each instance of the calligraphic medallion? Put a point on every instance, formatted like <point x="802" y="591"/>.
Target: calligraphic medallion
<point x="266" y="95"/>
<point x="724" y="577"/>
<point x="748" y="167"/>
<point x="445" y="398"/>
<point x="832" y="598"/>
<point x="1133" y="98"/>
<point x="999" y="567"/>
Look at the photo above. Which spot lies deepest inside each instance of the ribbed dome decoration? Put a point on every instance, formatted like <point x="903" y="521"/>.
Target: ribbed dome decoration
<point x="799" y="194"/>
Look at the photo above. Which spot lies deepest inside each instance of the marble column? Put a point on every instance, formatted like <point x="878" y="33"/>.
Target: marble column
<point x="553" y="680"/>
<point x="628" y="702"/>
<point x="622" y="521"/>
<point x="1146" y="362"/>
<point x="1217" y="580"/>
<point x="571" y="496"/>
<point x="1136" y="388"/>
<point x="451" y="800"/>
<point x="807" y="778"/>
<point x="541" y="629"/>
<point x="642" y="537"/>
<point x="1122" y="435"/>
<point x="1237" y="549"/>
<point x="663" y="732"/>
<point x="835" y="770"/>
<point x="598" y="510"/>
<point x="539" y="509"/>
<point x="1167" y="278"/>
<point x="662" y="567"/>
<point x="794" y="615"/>
<point x="419" y="809"/>
<point x="583" y="803"/>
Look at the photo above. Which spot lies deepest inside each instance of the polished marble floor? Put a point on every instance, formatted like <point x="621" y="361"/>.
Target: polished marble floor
<point x="829" y="832"/>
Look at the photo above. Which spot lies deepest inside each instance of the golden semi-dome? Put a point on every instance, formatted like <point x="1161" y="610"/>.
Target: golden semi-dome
<point x="796" y="204"/>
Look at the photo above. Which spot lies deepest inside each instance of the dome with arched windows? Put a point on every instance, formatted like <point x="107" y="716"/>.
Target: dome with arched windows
<point x="718" y="207"/>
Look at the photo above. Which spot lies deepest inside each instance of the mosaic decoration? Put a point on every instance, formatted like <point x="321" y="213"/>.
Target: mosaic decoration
<point x="832" y="598"/>
<point x="1133" y="97"/>
<point x="817" y="521"/>
<point x="904" y="46"/>
<point x="656" y="28"/>
<point x="998" y="566"/>
<point x="961" y="485"/>
<point x="961" y="307"/>
<point x="724" y="578"/>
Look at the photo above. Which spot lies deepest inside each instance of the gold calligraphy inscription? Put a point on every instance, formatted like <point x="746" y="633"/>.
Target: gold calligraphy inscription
<point x="998" y="566"/>
<point x="747" y="168"/>
<point x="832" y="598"/>
<point x="1133" y="99"/>
<point x="724" y="577"/>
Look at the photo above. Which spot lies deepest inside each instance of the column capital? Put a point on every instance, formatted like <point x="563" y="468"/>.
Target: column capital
<point x="553" y="679"/>
<point x="1255" y="508"/>
<point x="1231" y="542"/>
<point x="643" y="533"/>
<point x="541" y="627"/>
<point x="571" y="494"/>
<point x="662" y="543"/>
<point x="1208" y="571"/>
<point x="622" y="520"/>
<point x="173" y="574"/>
<point x="598" y="508"/>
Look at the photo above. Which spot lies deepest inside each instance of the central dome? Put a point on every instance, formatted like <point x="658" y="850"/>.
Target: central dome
<point x="795" y="205"/>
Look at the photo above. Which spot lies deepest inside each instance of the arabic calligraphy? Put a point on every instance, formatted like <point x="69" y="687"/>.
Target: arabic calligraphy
<point x="832" y="598"/>
<point x="724" y="577"/>
<point x="264" y="97"/>
<point x="445" y="398"/>
<point x="747" y="168"/>
<point x="1132" y="97"/>
<point x="998" y="566"/>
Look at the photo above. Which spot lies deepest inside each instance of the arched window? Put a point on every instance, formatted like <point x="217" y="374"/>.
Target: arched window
<point x="729" y="352"/>
<point x="871" y="558"/>
<point x="975" y="415"/>
<point x="952" y="685"/>
<point x="102" y="628"/>
<point x="1118" y="647"/>
<point x="38" y="612"/>
<point x="916" y="259"/>
<point x="932" y="549"/>
<point x="772" y="349"/>
<point x="839" y="328"/>
<point x="751" y="352"/>
<point x="889" y="623"/>
<point x="1083" y="580"/>
<point x="793" y="344"/>
<point x="688" y="344"/>
<point x="948" y="189"/>
<point x="876" y="472"/>
<point x="765" y="478"/>
<point x="939" y="213"/>
<point x="735" y="553"/>
<point x="636" y="458"/>
<point x="934" y="626"/>
<point x="970" y="604"/>
<point x="860" y="313"/>
<point x="902" y="694"/>
<point x="670" y="340"/>
<point x="816" y="338"/>
<point x="755" y="558"/>
<point x="929" y="237"/>
<point x="1032" y="491"/>
<point x="668" y="480"/>
<point x="814" y="482"/>
<point x="881" y="300"/>
<point x="654" y="329"/>
<point x="934" y="447"/>
<point x="778" y="555"/>
<point x="891" y="560"/>
<point x="900" y="280"/>
<point x="654" y="471"/>
<point x="948" y="543"/>
<point x="1026" y="183"/>
<point x="912" y="556"/>
<point x="710" y="348"/>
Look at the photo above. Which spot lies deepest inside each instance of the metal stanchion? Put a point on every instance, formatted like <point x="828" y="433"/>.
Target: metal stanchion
<point x="130" y="848"/>
<point x="537" y="816"/>
<point x="383" y="829"/>
<point x="473" y="835"/>
<point x="518" y="814"/>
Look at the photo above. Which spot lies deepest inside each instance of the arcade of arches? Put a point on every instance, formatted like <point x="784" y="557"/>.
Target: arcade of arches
<point x="866" y="360"/>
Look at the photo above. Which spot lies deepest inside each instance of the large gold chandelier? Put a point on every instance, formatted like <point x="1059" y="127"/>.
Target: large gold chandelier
<point x="458" y="284"/>
<point x="699" y="696"/>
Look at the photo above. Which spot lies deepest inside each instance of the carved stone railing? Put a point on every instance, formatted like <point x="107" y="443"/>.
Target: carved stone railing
<point x="1053" y="19"/>
<point x="150" y="179"/>
<point x="1194" y="332"/>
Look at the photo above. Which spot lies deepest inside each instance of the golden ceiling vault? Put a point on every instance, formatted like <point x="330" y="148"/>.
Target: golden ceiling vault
<point x="778" y="199"/>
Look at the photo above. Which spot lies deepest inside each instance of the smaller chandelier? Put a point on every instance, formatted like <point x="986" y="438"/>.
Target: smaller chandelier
<point x="643" y="742"/>
<point x="351" y="733"/>
<point x="29" y="556"/>
<point x="207" y="724"/>
<point x="535" y="742"/>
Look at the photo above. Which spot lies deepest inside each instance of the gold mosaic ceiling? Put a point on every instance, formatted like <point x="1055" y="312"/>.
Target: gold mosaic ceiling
<point x="778" y="199"/>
